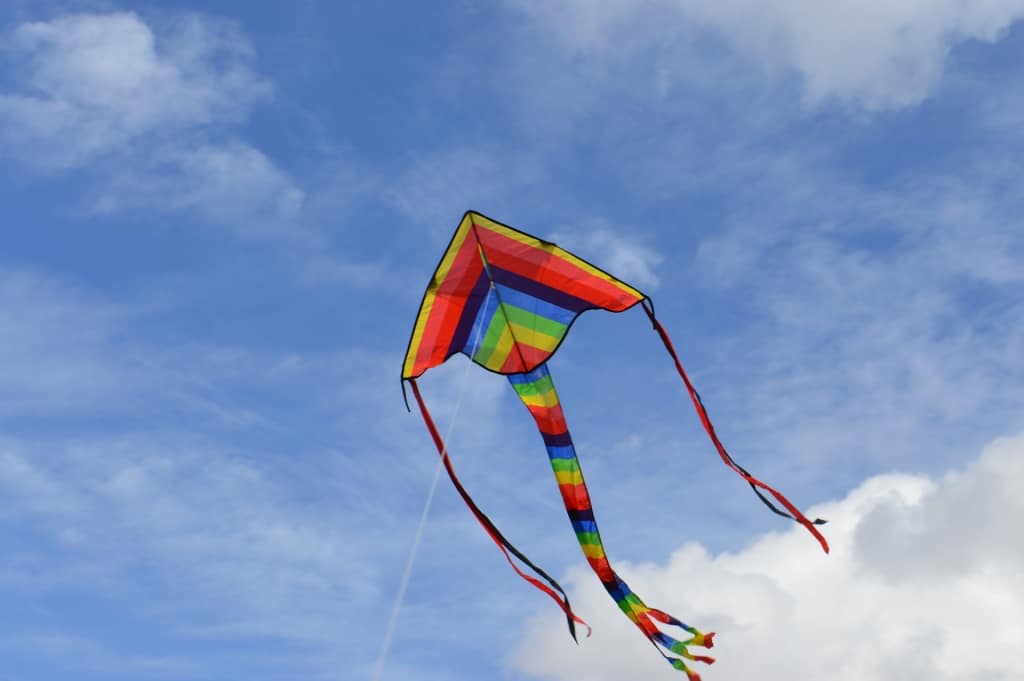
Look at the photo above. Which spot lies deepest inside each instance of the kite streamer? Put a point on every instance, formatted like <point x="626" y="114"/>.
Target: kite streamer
<point x="506" y="300"/>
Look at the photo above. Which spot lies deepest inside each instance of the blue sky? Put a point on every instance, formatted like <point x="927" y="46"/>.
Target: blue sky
<point x="219" y="218"/>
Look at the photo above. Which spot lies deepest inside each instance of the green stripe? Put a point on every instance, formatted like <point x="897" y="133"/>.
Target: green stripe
<point x="565" y="465"/>
<point x="589" y="538"/>
<point x="548" y="327"/>
<point x="490" y="342"/>
<point x="539" y="387"/>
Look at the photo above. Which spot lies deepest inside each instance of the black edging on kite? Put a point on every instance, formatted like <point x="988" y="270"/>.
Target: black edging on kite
<point x="434" y="282"/>
<point x="645" y="301"/>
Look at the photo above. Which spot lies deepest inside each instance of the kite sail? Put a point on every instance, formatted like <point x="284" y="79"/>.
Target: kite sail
<point x="506" y="300"/>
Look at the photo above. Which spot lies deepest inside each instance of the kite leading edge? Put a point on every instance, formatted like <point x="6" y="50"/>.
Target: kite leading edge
<point x="507" y="299"/>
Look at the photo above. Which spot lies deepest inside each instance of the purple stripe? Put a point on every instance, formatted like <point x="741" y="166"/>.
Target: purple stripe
<point x="539" y="290"/>
<point x="474" y="300"/>
<point x="577" y="515"/>
<point x="557" y="439"/>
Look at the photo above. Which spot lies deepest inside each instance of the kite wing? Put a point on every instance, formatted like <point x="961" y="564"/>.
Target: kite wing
<point x="538" y="291"/>
<point x="506" y="300"/>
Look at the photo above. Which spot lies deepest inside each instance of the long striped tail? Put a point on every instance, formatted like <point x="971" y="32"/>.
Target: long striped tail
<point x="537" y="392"/>
<point x="551" y="588"/>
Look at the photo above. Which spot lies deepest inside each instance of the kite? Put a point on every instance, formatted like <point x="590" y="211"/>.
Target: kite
<point x="506" y="300"/>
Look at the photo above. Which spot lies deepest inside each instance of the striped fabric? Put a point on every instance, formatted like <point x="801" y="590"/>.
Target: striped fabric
<point x="537" y="392"/>
<point x="506" y="300"/>
<point x="539" y="289"/>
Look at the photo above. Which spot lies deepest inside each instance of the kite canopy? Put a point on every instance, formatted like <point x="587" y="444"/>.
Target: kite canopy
<point x="506" y="300"/>
<point x="538" y="291"/>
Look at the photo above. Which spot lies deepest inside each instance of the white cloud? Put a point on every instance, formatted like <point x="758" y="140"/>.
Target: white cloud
<point x="97" y="82"/>
<point x="923" y="583"/>
<point x="436" y="189"/>
<point x="150" y="113"/>
<point x="55" y="348"/>
<point x="876" y="54"/>
<point x="234" y="184"/>
<point x="625" y="258"/>
<point x="874" y="316"/>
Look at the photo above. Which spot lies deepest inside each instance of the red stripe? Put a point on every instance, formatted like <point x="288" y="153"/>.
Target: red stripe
<point x="575" y="497"/>
<point x="603" y="568"/>
<point x="449" y="304"/>
<point x="550" y="420"/>
<point x="547" y="265"/>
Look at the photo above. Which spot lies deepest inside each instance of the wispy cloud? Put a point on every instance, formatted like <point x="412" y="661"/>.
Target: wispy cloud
<point x="97" y="83"/>
<point x="620" y="251"/>
<point x="150" y="113"/>
<point x="438" y="186"/>
<point x="869" y="55"/>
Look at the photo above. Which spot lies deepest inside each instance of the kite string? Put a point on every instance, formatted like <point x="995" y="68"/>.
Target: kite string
<point x="417" y="538"/>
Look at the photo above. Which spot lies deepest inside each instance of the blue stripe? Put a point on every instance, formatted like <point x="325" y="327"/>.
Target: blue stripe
<point x="584" y="526"/>
<point x="568" y="452"/>
<point x="536" y="289"/>
<point x="530" y="376"/>
<point x="617" y="590"/>
<point x="483" y="320"/>
<point x="534" y="305"/>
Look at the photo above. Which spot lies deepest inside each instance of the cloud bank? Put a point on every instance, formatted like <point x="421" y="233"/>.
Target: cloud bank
<point x="924" y="582"/>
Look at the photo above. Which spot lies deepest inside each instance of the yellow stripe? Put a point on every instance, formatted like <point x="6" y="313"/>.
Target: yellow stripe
<point x="428" y="300"/>
<point x="501" y="350"/>
<point x="569" y="477"/>
<point x="449" y="257"/>
<point x="417" y="333"/>
<point x="592" y="550"/>
<point x="541" y="341"/>
<point x="547" y="399"/>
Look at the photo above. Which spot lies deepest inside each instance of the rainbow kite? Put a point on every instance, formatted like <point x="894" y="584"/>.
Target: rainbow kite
<point x="506" y="300"/>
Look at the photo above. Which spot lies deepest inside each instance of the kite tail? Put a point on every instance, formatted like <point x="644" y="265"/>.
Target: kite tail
<point x="794" y="513"/>
<point x="496" y="536"/>
<point x="537" y="392"/>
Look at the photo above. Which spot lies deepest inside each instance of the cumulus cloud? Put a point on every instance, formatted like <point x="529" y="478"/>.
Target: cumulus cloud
<point x="923" y="583"/>
<point x="149" y="111"/>
<point x="875" y="54"/>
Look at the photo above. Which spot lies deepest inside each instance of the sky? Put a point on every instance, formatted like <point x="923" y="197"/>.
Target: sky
<point x="218" y="220"/>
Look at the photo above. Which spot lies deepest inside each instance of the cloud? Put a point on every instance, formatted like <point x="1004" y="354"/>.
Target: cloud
<point x="437" y="188"/>
<point x="871" y="55"/>
<point x="923" y="582"/>
<point x="617" y="252"/>
<point x="903" y="298"/>
<point x="55" y="349"/>
<point x="98" y="82"/>
<point x="150" y="113"/>
<point x="234" y="184"/>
